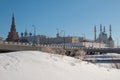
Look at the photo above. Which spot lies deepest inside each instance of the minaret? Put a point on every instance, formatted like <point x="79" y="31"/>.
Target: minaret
<point x="100" y="36"/>
<point x="100" y="28"/>
<point x="110" y="40"/>
<point x="110" y="36"/>
<point x="104" y="29"/>
<point x="13" y="35"/>
<point x="110" y="31"/>
<point x="95" y="33"/>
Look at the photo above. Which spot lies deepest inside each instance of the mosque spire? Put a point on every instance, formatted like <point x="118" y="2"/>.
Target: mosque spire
<point x="95" y="32"/>
<point x="100" y="28"/>
<point x="104" y="29"/>
<point x="110" y="30"/>
<point x="110" y="40"/>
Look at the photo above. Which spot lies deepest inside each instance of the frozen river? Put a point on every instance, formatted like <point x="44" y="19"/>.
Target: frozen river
<point x="104" y="58"/>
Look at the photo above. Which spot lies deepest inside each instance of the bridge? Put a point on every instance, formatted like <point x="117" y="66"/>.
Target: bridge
<point x="101" y="50"/>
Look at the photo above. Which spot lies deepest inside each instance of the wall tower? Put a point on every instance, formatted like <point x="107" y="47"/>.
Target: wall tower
<point x="13" y="35"/>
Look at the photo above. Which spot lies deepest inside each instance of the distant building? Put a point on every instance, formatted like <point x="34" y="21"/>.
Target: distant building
<point x="1" y="39"/>
<point x="65" y="39"/>
<point x="13" y="35"/>
<point x="43" y="39"/>
<point x="37" y="39"/>
<point x="101" y="41"/>
<point x="24" y="36"/>
<point x="59" y="40"/>
<point x="103" y="37"/>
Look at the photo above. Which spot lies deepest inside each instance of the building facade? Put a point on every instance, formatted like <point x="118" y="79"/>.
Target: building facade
<point x="102" y="41"/>
<point x="60" y="40"/>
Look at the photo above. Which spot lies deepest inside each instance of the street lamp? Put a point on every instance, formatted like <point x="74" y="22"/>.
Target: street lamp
<point x="62" y="31"/>
<point x="34" y="33"/>
<point x="83" y="39"/>
<point x="63" y="38"/>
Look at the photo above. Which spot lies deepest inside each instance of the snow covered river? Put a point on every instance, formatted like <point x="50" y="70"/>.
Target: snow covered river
<point x="105" y="58"/>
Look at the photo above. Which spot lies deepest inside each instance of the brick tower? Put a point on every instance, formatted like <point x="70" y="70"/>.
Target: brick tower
<point x="13" y="35"/>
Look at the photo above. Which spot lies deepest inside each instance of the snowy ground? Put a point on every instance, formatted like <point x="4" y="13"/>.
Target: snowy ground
<point x="34" y="65"/>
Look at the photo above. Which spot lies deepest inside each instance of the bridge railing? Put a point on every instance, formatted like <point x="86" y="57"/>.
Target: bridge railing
<point x="66" y="46"/>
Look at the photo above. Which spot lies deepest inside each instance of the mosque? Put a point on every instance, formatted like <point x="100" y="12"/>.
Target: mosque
<point x="103" y="37"/>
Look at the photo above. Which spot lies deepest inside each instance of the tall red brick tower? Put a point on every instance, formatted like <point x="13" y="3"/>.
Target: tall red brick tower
<point x="13" y="35"/>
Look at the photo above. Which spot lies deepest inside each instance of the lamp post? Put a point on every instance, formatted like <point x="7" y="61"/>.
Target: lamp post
<point x="62" y="31"/>
<point x="64" y="40"/>
<point x="34" y="33"/>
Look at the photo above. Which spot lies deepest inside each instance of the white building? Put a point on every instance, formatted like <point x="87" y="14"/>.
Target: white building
<point x="103" y="38"/>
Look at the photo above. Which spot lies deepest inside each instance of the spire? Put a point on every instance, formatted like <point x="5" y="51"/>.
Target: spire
<point x="13" y="28"/>
<point x="100" y="28"/>
<point x="95" y="32"/>
<point x="110" y="37"/>
<point x="110" y="30"/>
<point x="13" y="20"/>
<point x="13" y="35"/>
<point x="104" y="29"/>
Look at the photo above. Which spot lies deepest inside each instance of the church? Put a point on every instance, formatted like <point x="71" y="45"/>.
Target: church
<point x="103" y="37"/>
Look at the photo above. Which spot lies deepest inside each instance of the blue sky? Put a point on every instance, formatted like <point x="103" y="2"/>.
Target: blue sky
<point x="75" y="17"/>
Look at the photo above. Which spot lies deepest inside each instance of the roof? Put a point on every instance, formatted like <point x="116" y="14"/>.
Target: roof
<point x="110" y="38"/>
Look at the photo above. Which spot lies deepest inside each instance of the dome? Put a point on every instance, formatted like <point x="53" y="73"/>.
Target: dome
<point x="110" y="38"/>
<point x="103" y="34"/>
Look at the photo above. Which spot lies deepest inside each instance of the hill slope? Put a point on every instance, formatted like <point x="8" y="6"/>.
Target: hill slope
<point x="34" y="65"/>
